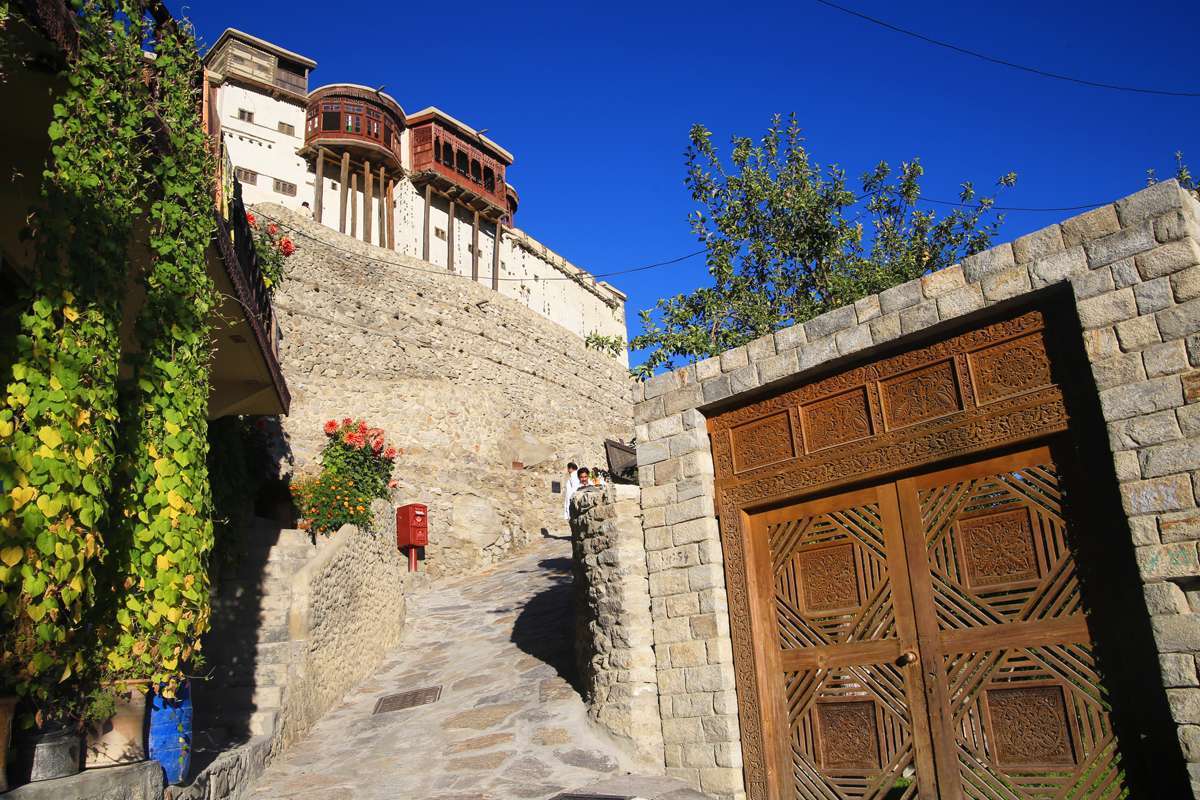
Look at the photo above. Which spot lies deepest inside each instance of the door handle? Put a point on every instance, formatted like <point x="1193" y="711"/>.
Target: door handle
<point x="906" y="658"/>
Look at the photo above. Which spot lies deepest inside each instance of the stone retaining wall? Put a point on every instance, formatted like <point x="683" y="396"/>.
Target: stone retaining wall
<point x="612" y="617"/>
<point x="348" y="608"/>
<point x="1133" y="268"/>
<point x="486" y="399"/>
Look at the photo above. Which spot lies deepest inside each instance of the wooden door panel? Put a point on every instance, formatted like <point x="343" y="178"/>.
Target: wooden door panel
<point x="834" y="581"/>
<point x="1021" y="712"/>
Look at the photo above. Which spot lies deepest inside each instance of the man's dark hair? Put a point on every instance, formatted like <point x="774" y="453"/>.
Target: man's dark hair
<point x="585" y="469"/>
<point x="571" y="465"/>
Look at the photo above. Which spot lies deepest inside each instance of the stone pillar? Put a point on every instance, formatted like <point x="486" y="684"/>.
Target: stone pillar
<point x="354" y="204"/>
<point x="496" y="257"/>
<point x="614" y="641"/>
<point x="450" y="238"/>
<point x="475" y="248"/>
<point x="425" y="227"/>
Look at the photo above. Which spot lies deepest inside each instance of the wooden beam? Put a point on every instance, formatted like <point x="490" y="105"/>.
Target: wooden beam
<point x="319" y="187"/>
<point x="475" y="247"/>
<point x="368" y="191"/>
<point x="450" y="238"/>
<point x="496" y="258"/>
<point x="385" y="200"/>
<point x="391" y="215"/>
<point x="425" y="235"/>
<point x="345" y="189"/>
<point x="354" y="205"/>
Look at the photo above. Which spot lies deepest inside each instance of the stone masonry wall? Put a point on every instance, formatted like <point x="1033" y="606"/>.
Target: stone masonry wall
<point x="612" y="616"/>
<point x="348" y="610"/>
<point x="486" y="400"/>
<point x="1134" y="270"/>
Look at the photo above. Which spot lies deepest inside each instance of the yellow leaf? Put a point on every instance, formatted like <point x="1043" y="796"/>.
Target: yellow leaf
<point x="152" y="450"/>
<point x="162" y="562"/>
<point x="22" y="495"/>
<point x="49" y="436"/>
<point x="11" y="555"/>
<point x="55" y="383"/>
<point x="66" y="673"/>
<point x="83" y="417"/>
<point x="6" y="427"/>
<point x="174" y="499"/>
<point x="170" y="663"/>
<point x="77" y="583"/>
<point x="68" y="295"/>
<point x="49" y="506"/>
<point x="174" y="614"/>
<point x="70" y="313"/>
<point x="172" y="428"/>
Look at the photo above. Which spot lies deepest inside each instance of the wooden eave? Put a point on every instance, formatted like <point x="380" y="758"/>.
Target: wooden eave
<point x="460" y="194"/>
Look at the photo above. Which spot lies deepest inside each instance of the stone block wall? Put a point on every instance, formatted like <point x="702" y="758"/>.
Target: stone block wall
<point x="1133" y="269"/>
<point x="348" y="610"/>
<point x="486" y="399"/>
<point x="612" y="617"/>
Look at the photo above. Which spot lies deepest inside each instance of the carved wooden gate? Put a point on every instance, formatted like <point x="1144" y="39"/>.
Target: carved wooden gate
<point x="923" y="635"/>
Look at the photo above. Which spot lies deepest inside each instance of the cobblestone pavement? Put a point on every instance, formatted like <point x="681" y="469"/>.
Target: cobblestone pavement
<point x="508" y="724"/>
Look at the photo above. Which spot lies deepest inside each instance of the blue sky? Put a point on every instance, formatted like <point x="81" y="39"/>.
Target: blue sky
<point x="596" y="100"/>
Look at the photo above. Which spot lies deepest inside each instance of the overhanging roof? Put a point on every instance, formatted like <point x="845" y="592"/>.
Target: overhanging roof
<point x="234" y="33"/>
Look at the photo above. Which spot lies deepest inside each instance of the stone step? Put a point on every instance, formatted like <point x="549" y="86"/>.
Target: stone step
<point x="261" y="675"/>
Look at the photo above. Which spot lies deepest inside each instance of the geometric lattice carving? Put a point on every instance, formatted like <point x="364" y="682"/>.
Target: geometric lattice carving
<point x="1029" y="726"/>
<point x="1010" y="368"/>
<point x="998" y="549"/>
<point x="763" y="442"/>
<point x="831" y="578"/>
<point x="920" y="395"/>
<point x="849" y="734"/>
<point x="836" y="420"/>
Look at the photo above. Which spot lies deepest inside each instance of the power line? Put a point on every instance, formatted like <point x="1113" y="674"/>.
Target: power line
<point x="443" y="273"/>
<point x="1001" y="61"/>
<point x="1008" y="208"/>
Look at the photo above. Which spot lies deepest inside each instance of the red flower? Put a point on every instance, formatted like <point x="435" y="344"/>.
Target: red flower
<point x="272" y="228"/>
<point x="390" y="453"/>
<point x="357" y="440"/>
<point x="347" y="421"/>
<point x="376" y="445"/>
<point x="331" y="427"/>
<point x="392" y="484"/>
<point x="250" y="218"/>
<point x="286" y="246"/>
<point x="348" y="438"/>
<point x="362" y="427"/>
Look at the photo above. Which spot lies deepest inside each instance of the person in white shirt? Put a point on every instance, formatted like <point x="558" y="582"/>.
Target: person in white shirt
<point x="570" y="488"/>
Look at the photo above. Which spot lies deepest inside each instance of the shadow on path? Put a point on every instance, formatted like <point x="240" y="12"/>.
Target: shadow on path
<point x="545" y="626"/>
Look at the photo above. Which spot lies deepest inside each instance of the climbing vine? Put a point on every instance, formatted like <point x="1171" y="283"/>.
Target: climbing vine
<point x="166" y="532"/>
<point x="105" y="523"/>
<point x="58" y="426"/>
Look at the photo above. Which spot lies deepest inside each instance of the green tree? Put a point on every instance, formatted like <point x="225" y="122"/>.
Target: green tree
<point x="788" y="240"/>
<point x="1182" y="174"/>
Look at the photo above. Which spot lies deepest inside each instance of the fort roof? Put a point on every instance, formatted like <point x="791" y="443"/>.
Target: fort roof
<point x="431" y="112"/>
<point x="263" y="44"/>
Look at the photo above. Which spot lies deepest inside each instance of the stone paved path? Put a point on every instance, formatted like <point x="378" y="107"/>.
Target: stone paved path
<point x="508" y="724"/>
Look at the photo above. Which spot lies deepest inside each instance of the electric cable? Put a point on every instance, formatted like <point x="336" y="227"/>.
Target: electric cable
<point x="1002" y="62"/>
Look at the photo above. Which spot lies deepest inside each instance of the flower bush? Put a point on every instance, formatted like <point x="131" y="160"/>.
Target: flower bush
<point x="356" y="468"/>
<point x="272" y="248"/>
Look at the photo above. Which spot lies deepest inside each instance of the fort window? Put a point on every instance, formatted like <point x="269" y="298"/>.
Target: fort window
<point x="245" y="116"/>
<point x="331" y="117"/>
<point x="489" y="179"/>
<point x="287" y="128"/>
<point x="476" y="171"/>
<point x="283" y="187"/>
<point x="246" y="176"/>
<point x="460" y="162"/>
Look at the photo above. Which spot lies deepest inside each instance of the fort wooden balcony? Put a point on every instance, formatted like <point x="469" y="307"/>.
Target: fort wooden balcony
<point x="363" y="122"/>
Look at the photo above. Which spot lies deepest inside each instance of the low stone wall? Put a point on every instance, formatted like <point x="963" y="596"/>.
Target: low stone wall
<point x="348" y="606"/>
<point x="347" y="610"/>
<point x="614" y="639"/>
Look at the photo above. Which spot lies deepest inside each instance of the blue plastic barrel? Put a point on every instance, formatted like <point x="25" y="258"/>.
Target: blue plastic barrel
<point x="171" y="733"/>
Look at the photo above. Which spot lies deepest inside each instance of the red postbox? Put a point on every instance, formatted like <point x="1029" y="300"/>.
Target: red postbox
<point x="412" y="530"/>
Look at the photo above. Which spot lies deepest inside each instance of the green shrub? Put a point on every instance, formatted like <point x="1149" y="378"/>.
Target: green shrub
<point x="356" y="468"/>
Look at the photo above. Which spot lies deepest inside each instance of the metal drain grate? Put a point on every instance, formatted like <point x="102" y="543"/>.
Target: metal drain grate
<point x="403" y="700"/>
